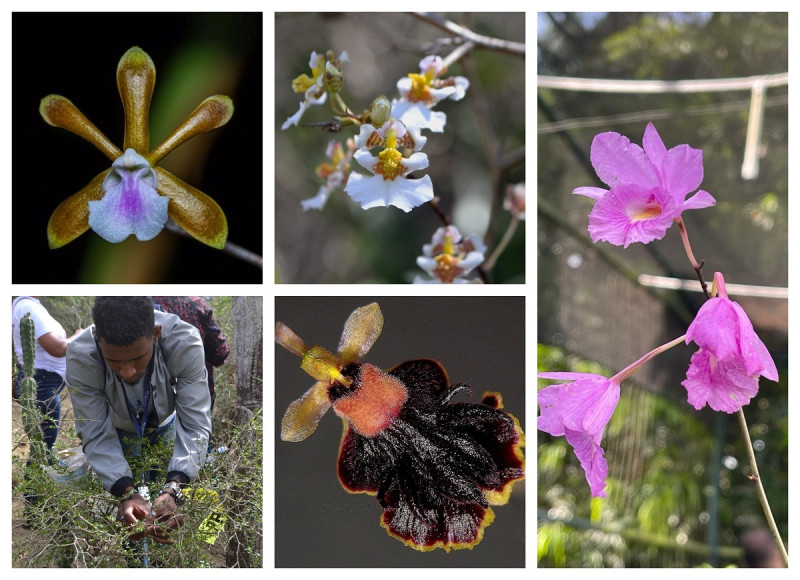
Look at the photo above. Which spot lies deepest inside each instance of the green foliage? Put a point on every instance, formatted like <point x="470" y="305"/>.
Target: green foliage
<point x="658" y="455"/>
<point x="74" y="523"/>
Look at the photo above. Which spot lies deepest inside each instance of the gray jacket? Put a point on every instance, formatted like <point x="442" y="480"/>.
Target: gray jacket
<point x="179" y="382"/>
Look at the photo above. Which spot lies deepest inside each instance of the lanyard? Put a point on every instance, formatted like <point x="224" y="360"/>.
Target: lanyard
<point x="140" y="418"/>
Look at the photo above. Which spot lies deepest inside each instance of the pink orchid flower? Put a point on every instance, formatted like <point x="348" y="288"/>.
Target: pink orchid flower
<point x="648" y="187"/>
<point x="724" y="372"/>
<point x="580" y="411"/>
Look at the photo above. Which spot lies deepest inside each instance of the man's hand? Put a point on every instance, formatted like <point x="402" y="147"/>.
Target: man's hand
<point x="167" y="518"/>
<point x="133" y="510"/>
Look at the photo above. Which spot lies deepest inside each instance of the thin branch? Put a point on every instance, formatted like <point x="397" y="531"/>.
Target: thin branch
<point x="467" y="35"/>
<point x="234" y="250"/>
<point x="762" y="495"/>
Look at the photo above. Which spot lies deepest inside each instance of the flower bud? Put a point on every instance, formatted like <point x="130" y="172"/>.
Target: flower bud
<point x="380" y="110"/>
<point x="334" y="79"/>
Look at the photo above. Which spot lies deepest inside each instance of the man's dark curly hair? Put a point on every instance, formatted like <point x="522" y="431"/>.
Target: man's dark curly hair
<point x="122" y="320"/>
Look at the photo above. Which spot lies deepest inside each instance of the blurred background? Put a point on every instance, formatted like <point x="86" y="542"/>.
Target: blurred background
<point x="678" y="488"/>
<point x="478" y="340"/>
<point x="196" y="55"/>
<point x="344" y="243"/>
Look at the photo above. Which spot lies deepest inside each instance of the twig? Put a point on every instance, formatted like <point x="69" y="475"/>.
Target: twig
<point x="762" y="495"/>
<point x="467" y="35"/>
<point x="234" y="250"/>
<point x="512" y="227"/>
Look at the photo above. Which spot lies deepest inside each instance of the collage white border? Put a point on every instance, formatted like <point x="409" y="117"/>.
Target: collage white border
<point x="268" y="289"/>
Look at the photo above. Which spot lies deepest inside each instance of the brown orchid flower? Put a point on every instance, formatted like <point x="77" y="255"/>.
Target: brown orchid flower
<point x="135" y="196"/>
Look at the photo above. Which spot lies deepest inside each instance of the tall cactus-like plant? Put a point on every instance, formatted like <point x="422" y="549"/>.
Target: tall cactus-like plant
<point x="31" y="416"/>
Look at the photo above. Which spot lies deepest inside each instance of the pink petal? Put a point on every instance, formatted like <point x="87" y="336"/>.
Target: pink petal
<point x="724" y="385"/>
<point x="592" y="459"/>
<point x="653" y="145"/>
<point x="682" y="170"/>
<point x="699" y="200"/>
<point x="550" y="419"/>
<point x="618" y="161"/>
<point x="716" y="328"/>
<point x="757" y="359"/>
<point x="593" y="192"/>
<point x="587" y="404"/>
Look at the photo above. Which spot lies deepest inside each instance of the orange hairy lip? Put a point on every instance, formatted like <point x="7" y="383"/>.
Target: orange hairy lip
<point x="375" y="402"/>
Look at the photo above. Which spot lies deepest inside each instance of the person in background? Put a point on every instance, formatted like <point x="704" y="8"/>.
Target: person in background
<point x="198" y="313"/>
<point x="50" y="364"/>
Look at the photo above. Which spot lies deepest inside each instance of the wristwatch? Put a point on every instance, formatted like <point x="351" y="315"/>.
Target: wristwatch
<point x="174" y="489"/>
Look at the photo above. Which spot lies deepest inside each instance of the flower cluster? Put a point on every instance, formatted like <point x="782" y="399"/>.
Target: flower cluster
<point x="388" y="146"/>
<point x="392" y="129"/>
<point x="648" y="189"/>
<point x="135" y="196"/>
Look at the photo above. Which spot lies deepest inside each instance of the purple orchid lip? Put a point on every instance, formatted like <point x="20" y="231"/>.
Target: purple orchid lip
<point x="131" y="204"/>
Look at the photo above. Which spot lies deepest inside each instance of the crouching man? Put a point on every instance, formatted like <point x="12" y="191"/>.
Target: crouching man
<point x="138" y="380"/>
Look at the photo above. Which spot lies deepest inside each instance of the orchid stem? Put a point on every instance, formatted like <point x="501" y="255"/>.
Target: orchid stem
<point x="762" y="496"/>
<point x="632" y="368"/>
<point x="512" y="227"/>
<point x="698" y="267"/>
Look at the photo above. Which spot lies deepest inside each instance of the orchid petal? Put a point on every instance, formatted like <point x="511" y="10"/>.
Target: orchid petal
<point x="378" y="192"/>
<point x="699" y="200"/>
<point x="136" y="79"/>
<point x="592" y="459"/>
<point x="617" y="161"/>
<point x="71" y="218"/>
<point x="653" y="145"/>
<point x="725" y="385"/>
<point x="131" y="204"/>
<point x="212" y="113"/>
<point x="304" y="414"/>
<point x="361" y="330"/>
<point x="418" y="115"/>
<point x="682" y="170"/>
<point x="588" y="191"/>
<point x="60" y="112"/>
<point x="195" y="212"/>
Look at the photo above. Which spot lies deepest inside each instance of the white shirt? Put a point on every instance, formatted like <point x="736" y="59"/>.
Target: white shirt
<point x="43" y="324"/>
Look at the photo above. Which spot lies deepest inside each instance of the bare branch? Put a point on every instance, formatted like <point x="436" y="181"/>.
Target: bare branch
<point x="467" y="35"/>
<point x="234" y="250"/>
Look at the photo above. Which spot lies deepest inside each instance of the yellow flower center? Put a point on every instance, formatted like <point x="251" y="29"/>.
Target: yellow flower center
<point x="390" y="160"/>
<point x="447" y="263"/>
<point x="447" y="245"/>
<point x="419" y="87"/>
<point x="323" y="365"/>
<point x="649" y="210"/>
<point x="447" y="268"/>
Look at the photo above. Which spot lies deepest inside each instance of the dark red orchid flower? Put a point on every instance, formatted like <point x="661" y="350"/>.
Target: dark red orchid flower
<point x="434" y="466"/>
